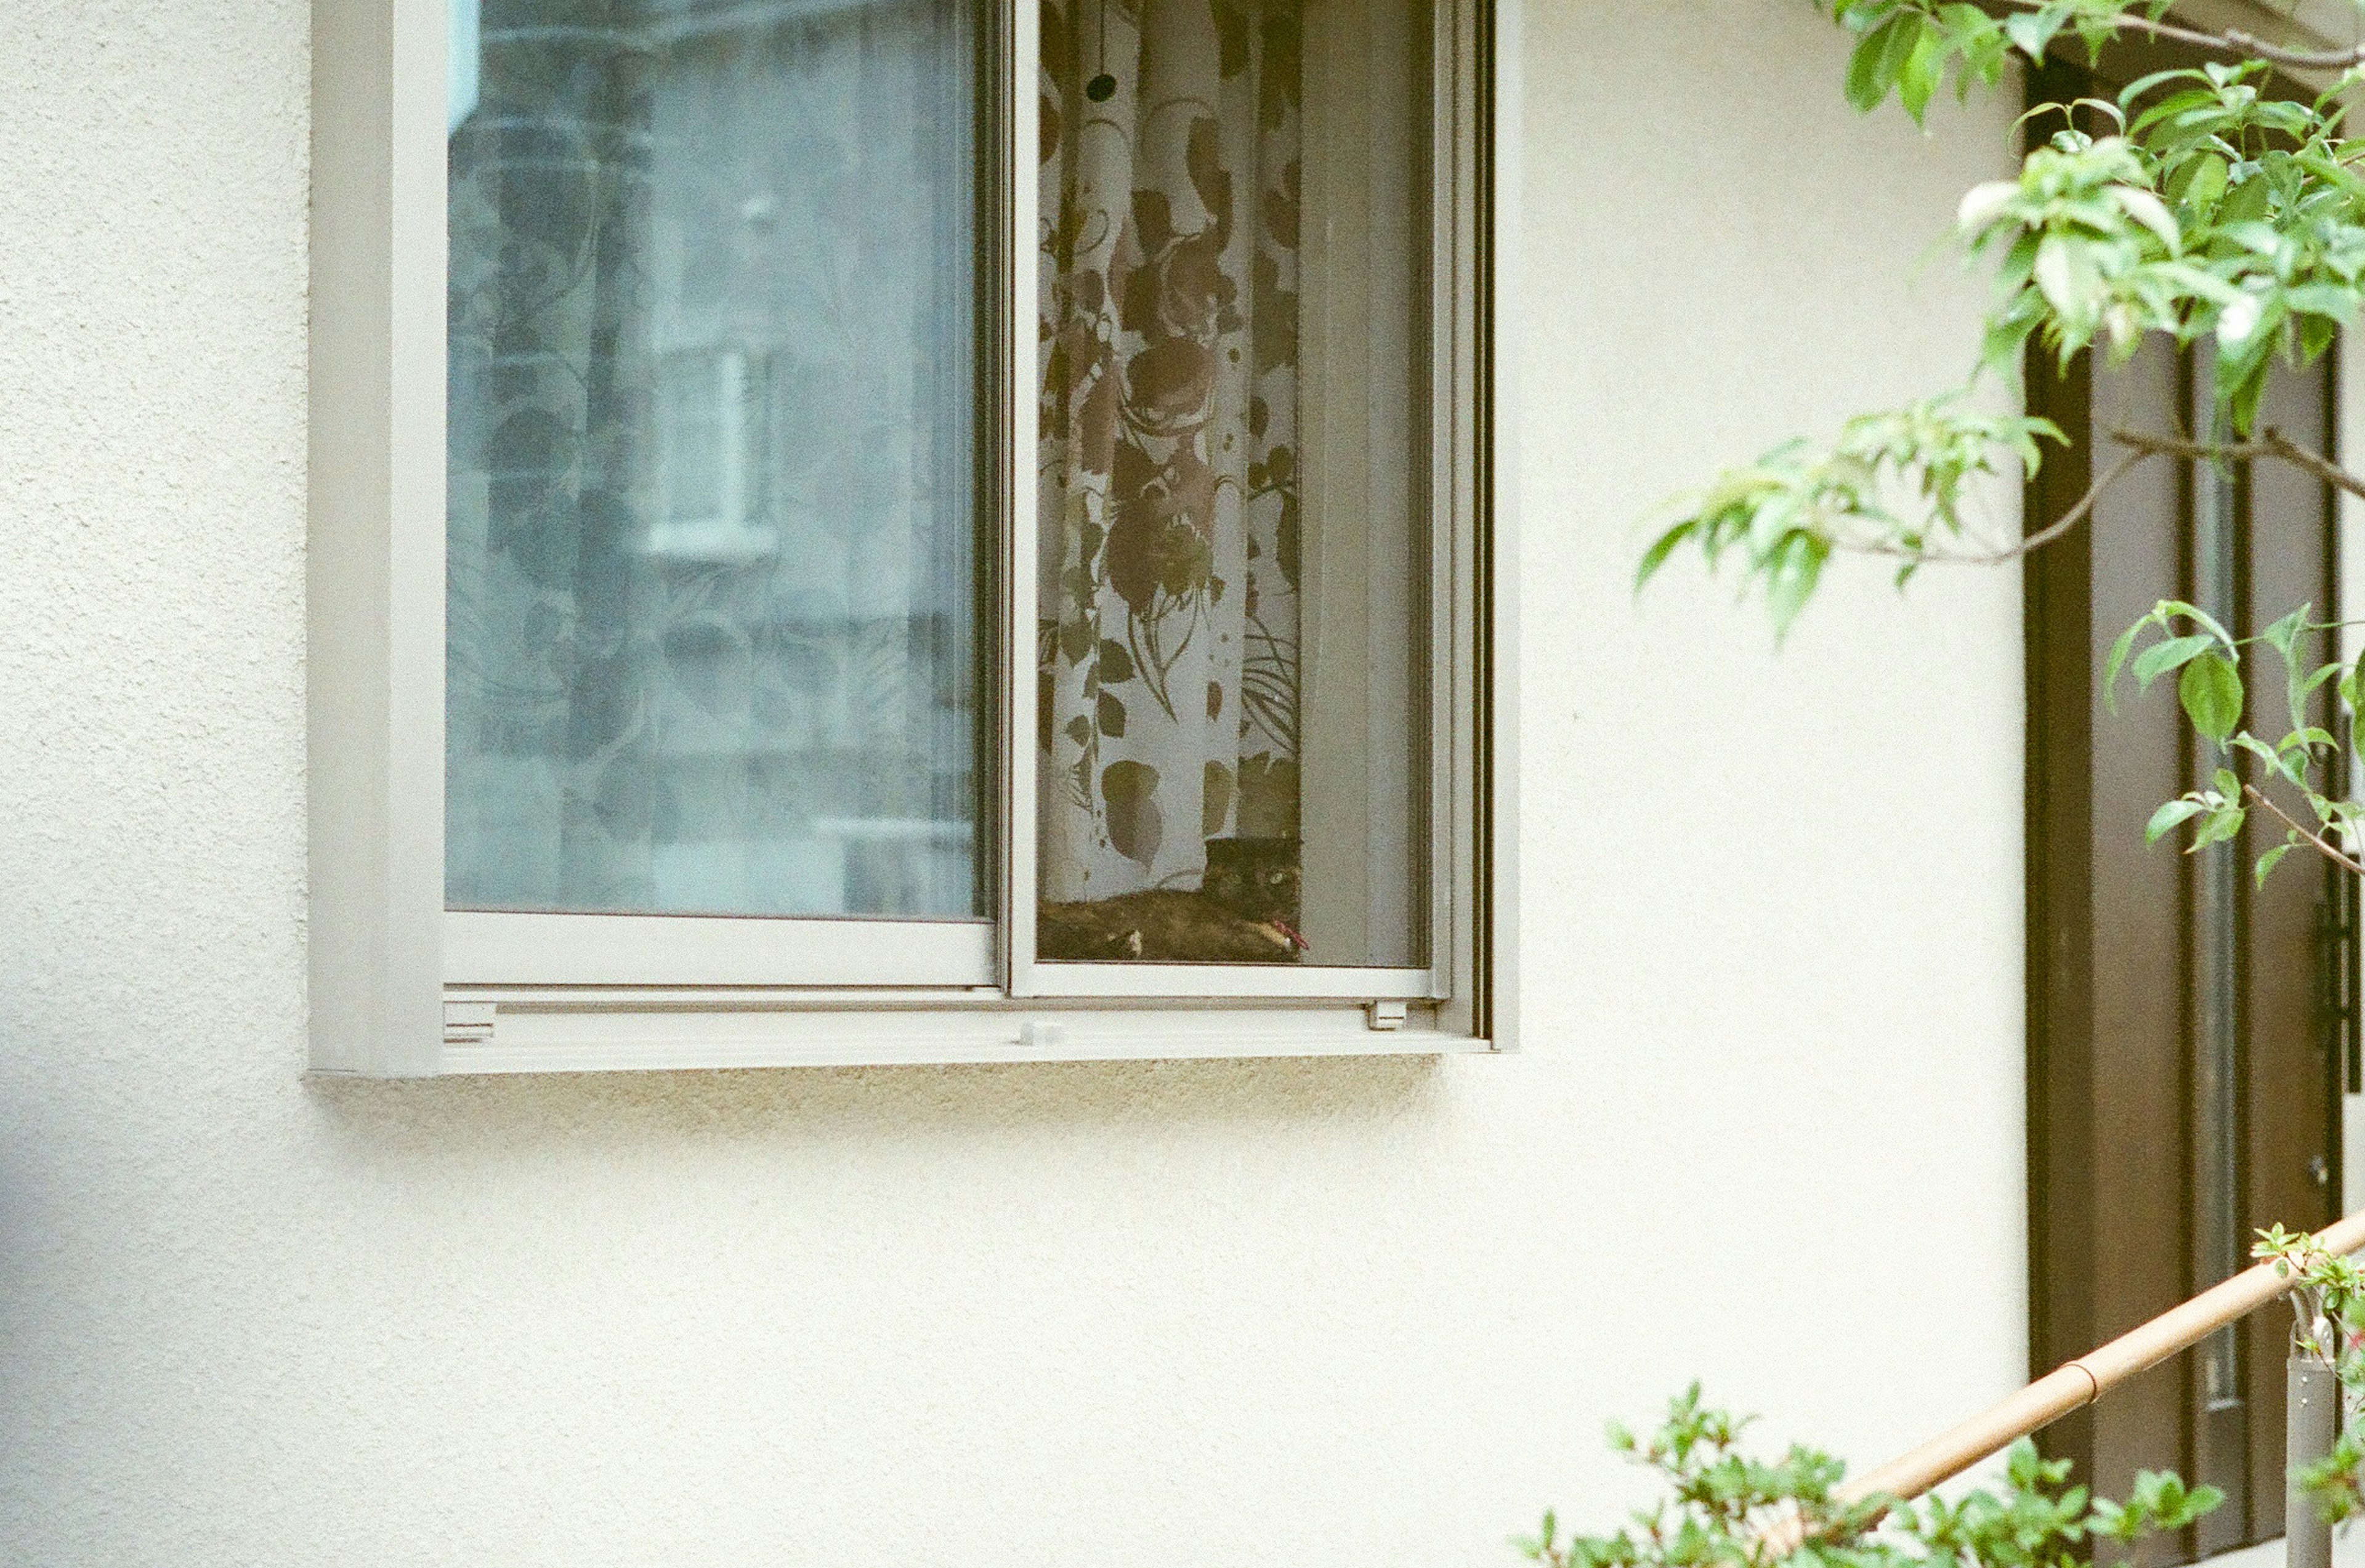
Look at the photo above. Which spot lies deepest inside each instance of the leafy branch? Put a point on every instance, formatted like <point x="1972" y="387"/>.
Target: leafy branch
<point x="2205" y="207"/>
<point x="1725" y="1508"/>
<point x="2187" y="641"/>
<point x="2198" y="206"/>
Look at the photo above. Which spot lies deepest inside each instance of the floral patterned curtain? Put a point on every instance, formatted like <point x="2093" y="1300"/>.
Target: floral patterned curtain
<point x="1169" y="404"/>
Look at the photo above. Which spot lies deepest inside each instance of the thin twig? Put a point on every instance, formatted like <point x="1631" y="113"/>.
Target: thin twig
<point x="2315" y="463"/>
<point x="2323" y="846"/>
<point x="2067" y="520"/>
<point x="2234" y="41"/>
<point x="2003" y="555"/>
<point x="2270" y="443"/>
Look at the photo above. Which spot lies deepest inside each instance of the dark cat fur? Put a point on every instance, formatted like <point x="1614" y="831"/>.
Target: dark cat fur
<point x="1244" y="912"/>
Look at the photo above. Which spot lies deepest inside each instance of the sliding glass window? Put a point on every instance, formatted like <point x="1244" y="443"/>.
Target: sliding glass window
<point x="713" y="506"/>
<point x="951" y="498"/>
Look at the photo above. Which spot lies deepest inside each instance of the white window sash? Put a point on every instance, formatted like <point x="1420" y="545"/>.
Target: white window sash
<point x="1019" y="33"/>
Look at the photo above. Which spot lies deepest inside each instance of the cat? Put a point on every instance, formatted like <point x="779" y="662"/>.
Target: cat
<point x="1245" y="911"/>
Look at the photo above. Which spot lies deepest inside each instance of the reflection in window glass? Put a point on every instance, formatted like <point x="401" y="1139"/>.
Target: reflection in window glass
<point x="712" y="459"/>
<point x="1230" y="287"/>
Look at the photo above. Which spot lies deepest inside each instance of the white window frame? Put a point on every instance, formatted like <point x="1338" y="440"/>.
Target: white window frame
<point x="399" y="986"/>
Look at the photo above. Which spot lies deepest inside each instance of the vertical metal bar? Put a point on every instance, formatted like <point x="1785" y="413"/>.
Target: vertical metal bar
<point x="2216" y="968"/>
<point x="1017" y="30"/>
<point x="1459" y="141"/>
<point x="1442" y="387"/>
<point x="2311" y="1421"/>
<point x="2347" y="1011"/>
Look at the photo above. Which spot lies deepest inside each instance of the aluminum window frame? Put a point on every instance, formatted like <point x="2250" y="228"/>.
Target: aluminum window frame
<point x="401" y="986"/>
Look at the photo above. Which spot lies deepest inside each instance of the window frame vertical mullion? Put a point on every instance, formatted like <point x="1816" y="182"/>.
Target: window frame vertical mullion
<point x="1014" y="136"/>
<point x="1455" y="519"/>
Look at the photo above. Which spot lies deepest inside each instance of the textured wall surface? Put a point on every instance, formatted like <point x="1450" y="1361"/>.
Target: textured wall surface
<point x="1345" y="1313"/>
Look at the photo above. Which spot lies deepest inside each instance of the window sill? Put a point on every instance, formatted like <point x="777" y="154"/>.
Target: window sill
<point x="541" y="1032"/>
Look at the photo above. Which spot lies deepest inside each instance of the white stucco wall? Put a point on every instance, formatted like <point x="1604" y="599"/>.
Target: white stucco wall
<point x="1342" y="1313"/>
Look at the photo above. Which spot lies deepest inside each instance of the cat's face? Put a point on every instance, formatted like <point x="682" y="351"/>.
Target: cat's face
<point x="1256" y="879"/>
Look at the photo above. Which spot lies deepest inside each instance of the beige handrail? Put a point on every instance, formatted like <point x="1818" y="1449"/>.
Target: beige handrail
<point x="2077" y="1384"/>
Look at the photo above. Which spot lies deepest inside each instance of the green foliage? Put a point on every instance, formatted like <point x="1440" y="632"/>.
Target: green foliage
<point x="1785" y="514"/>
<point x="2197" y="205"/>
<point x="1724" y="1508"/>
<point x="2201" y="207"/>
<point x="1912" y="47"/>
<point x="2305" y="760"/>
<point x="2328" y="1297"/>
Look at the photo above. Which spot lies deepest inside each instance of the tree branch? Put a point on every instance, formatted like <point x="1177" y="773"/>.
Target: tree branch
<point x="2071" y="519"/>
<point x="2234" y="41"/>
<point x="2321" y="845"/>
<point x="2004" y="554"/>
<point x="2315" y="463"/>
<point x="2142" y="444"/>
<point x="2270" y="443"/>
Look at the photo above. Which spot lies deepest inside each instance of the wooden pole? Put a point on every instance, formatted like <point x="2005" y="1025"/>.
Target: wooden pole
<point x="2083" y="1381"/>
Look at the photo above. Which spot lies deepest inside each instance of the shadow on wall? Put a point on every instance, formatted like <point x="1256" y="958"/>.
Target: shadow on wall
<point x="442" y="1117"/>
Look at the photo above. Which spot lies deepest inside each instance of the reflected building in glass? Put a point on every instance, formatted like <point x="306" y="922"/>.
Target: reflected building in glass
<point x="714" y="460"/>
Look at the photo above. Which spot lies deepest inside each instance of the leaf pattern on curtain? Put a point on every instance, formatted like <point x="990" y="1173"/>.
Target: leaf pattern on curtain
<point x="1168" y="648"/>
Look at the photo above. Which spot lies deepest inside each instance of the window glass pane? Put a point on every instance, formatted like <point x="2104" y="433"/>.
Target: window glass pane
<point x="712" y="458"/>
<point x="1233" y="538"/>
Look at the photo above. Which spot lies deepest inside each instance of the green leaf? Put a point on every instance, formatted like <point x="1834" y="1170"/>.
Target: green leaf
<point x="1865" y="85"/>
<point x="2194" y="614"/>
<point x="2211" y="691"/>
<point x="2119" y="651"/>
<point x="2220" y="826"/>
<point x="2169" y="817"/>
<point x="1983" y="204"/>
<point x="1918" y="81"/>
<point x="1793" y="580"/>
<point x="2323" y="299"/>
<point x="2173" y="653"/>
<point x="2269" y="861"/>
<point x="2032" y="31"/>
<point x="1663" y="547"/>
<point x="2152" y="213"/>
<point x="2357" y="709"/>
<point x="2283" y="632"/>
<point x="1882" y="59"/>
<point x="2068" y="278"/>
<point x="2207" y="183"/>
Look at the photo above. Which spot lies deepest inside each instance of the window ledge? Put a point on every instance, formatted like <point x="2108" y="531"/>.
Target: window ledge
<point x="514" y="1035"/>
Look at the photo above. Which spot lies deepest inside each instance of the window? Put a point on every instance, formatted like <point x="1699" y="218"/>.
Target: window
<point x="872" y="529"/>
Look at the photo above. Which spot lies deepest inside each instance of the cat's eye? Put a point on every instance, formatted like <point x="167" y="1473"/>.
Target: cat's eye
<point x="943" y="504"/>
